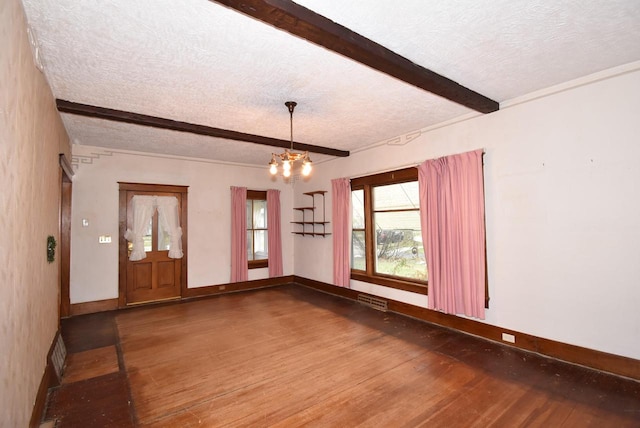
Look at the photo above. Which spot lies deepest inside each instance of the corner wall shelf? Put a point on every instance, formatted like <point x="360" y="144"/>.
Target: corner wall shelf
<point x="313" y="226"/>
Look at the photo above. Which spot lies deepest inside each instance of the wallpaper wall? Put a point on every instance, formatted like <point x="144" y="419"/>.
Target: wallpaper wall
<point x="31" y="137"/>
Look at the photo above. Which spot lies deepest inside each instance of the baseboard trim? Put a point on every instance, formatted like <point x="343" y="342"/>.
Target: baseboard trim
<point x="212" y="290"/>
<point x="49" y="380"/>
<point x="93" y="307"/>
<point x="191" y="293"/>
<point x="598" y="360"/>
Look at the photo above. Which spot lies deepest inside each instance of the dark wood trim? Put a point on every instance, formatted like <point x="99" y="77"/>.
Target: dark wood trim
<point x="260" y="195"/>
<point x="184" y="216"/>
<point x="66" y="166"/>
<point x="93" y="307"/>
<point x="150" y="187"/>
<point x="413" y="286"/>
<point x="211" y="290"/>
<point x="41" y="397"/>
<point x="302" y="22"/>
<point x="87" y="110"/>
<point x="390" y="177"/>
<point x="190" y="293"/>
<point x="258" y="264"/>
<point x="327" y="288"/>
<point x="49" y="380"/>
<point x="611" y="363"/>
<point x="122" y="246"/>
<point x="65" y="243"/>
<point x="484" y="223"/>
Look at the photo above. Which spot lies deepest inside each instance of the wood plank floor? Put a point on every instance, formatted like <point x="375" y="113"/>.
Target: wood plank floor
<point x="291" y="356"/>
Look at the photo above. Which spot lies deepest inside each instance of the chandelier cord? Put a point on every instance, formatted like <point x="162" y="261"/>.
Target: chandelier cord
<point x="291" y="105"/>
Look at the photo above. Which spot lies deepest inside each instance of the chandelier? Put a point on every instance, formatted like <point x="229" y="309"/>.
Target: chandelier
<point x="289" y="157"/>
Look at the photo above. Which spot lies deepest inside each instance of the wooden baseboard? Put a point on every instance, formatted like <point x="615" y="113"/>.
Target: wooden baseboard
<point x="49" y="380"/>
<point x="93" y="307"/>
<point x="611" y="363"/>
<point x="212" y="290"/>
<point x="191" y="293"/>
<point x="41" y="398"/>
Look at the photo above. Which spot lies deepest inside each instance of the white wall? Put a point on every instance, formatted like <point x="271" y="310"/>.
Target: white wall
<point x="562" y="182"/>
<point x="94" y="266"/>
<point x="31" y="137"/>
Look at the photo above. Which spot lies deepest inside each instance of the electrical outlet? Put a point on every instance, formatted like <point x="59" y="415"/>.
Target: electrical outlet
<point x="104" y="239"/>
<point x="222" y="288"/>
<point x="508" y="338"/>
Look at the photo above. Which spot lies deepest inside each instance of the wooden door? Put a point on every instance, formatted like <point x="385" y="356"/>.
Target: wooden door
<point x="156" y="277"/>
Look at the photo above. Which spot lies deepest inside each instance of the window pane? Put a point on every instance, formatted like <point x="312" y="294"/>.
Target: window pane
<point x="358" y="254"/>
<point x="261" y="245"/>
<point x="396" y="196"/>
<point x="147" y="236"/>
<point x="259" y="214"/>
<point x="249" y="214"/>
<point x="357" y="209"/>
<point x="399" y="250"/>
<point x="163" y="240"/>
<point x="249" y="245"/>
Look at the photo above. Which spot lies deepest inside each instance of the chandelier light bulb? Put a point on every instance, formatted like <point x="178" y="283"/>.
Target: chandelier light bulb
<point x="286" y="166"/>
<point x="286" y="172"/>
<point x="306" y="169"/>
<point x="273" y="169"/>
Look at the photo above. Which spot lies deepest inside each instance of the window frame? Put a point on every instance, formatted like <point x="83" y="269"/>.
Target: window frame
<point x="367" y="184"/>
<point x="257" y="195"/>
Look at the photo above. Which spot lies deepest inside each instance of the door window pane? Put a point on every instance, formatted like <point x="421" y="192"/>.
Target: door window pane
<point x="148" y="236"/>
<point x="163" y="240"/>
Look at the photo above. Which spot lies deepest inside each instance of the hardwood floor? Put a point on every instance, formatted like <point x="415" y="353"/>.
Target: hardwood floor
<point x="291" y="356"/>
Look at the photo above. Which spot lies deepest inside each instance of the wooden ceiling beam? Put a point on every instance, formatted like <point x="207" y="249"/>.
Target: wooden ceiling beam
<point x="302" y="22"/>
<point x="174" y="125"/>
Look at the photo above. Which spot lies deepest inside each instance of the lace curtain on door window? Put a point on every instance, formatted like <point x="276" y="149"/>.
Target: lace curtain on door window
<point x="142" y="208"/>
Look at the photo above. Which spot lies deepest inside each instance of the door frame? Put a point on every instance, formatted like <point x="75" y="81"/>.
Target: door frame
<point x="66" y="187"/>
<point x="122" y="243"/>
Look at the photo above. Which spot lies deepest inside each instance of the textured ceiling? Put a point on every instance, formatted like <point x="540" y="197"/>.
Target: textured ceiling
<point x="197" y="61"/>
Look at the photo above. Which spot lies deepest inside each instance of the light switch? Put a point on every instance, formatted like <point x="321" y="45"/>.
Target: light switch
<point x="104" y="239"/>
<point x="85" y="222"/>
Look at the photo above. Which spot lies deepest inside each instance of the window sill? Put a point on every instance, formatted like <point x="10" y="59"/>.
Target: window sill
<point x="412" y="286"/>
<point x="258" y="264"/>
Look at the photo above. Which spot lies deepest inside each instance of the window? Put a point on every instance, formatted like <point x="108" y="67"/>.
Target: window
<point x="163" y="239"/>
<point x="386" y="236"/>
<point x="257" y="236"/>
